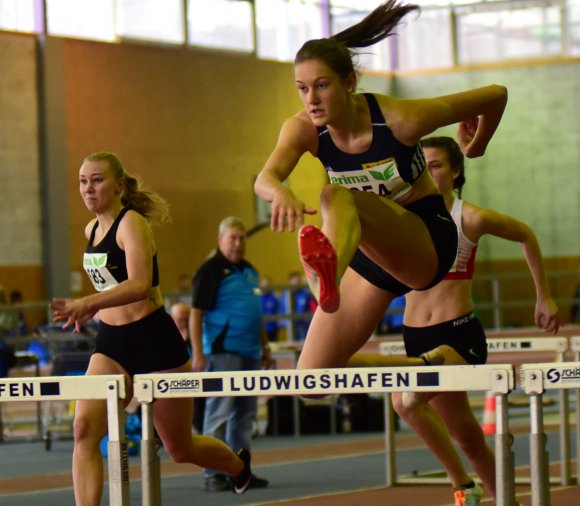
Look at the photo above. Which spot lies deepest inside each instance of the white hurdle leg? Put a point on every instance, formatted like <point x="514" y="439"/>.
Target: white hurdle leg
<point x="575" y="346"/>
<point x="539" y="465"/>
<point x="150" y="466"/>
<point x="539" y="459"/>
<point x="117" y="448"/>
<point x="504" y="456"/>
<point x="391" y="464"/>
<point x="578" y="435"/>
<point x="565" y="474"/>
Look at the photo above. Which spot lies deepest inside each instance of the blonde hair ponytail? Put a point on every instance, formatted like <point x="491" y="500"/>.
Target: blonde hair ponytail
<point x="146" y="202"/>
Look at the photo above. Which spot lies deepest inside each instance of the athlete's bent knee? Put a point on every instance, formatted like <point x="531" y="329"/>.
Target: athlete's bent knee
<point x="332" y="191"/>
<point x="85" y="429"/>
<point x="409" y="400"/>
<point x="406" y="402"/>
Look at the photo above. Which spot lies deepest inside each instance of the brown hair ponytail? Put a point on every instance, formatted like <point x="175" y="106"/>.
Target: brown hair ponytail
<point x="337" y="51"/>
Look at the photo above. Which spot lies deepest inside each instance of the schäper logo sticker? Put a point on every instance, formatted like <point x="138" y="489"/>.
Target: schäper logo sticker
<point x="563" y="375"/>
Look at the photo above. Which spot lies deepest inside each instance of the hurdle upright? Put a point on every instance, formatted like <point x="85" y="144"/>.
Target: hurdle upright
<point x="558" y="345"/>
<point x="536" y="379"/>
<point x="498" y="378"/>
<point x="575" y="347"/>
<point x="110" y="388"/>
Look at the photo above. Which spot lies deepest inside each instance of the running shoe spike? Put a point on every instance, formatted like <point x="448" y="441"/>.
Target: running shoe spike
<point x="319" y="261"/>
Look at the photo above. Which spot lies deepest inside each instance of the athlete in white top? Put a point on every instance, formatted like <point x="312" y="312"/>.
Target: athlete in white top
<point x="445" y="313"/>
<point x="439" y="325"/>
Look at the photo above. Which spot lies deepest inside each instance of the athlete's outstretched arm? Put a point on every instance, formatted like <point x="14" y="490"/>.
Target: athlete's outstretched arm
<point x="478" y="113"/>
<point x="501" y="225"/>
<point x="287" y="210"/>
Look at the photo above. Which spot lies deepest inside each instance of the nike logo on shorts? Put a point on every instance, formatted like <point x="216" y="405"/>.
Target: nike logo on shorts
<point x="444" y="218"/>
<point x="471" y="352"/>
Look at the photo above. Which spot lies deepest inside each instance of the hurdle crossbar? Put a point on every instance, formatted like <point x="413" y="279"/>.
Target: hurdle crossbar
<point x="110" y="388"/>
<point x="507" y="344"/>
<point x="496" y="378"/>
<point x="558" y="345"/>
<point x="536" y="379"/>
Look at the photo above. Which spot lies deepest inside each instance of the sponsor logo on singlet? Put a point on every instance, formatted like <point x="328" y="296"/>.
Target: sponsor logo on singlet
<point x="382" y="178"/>
<point x="95" y="265"/>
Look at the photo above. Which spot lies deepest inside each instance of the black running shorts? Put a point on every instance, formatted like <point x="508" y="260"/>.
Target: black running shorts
<point x="148" y="345"/>
<point x="432" y="211"/>
<point x="464" y="334"/>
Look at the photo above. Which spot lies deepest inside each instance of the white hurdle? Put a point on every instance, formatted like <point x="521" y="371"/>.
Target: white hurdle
<point x="558" y="345"/>
<point x="575" y="347"/>
<point x="537" y="378"/>
<point x="71" y="388"/>
<point x="497" y="378"/>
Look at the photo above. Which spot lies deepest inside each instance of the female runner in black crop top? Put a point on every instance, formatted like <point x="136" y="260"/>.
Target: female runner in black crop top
<point x="135" y="335"/>
<point x="385" y="228"/>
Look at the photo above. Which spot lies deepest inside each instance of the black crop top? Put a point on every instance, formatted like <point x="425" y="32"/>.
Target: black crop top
<point x="388" y="168"/>
<point x="105" y="263"/>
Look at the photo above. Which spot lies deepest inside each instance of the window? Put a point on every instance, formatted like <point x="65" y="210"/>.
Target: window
<point x="447" y="32"/>
<point x="283" y="26"/>
<point x="574" y="28"/>
<point x="226" y="24"/>
<point x="504" y="34"/>
<point x="160" y="20"/>
<point x="424" y="41"/>
<point x="17" y="15"/>
<point x="87" y="19"/>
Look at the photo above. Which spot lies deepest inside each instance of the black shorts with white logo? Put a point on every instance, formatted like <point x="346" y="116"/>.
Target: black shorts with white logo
<point x="443" y="232"/>
<point x="151" y="344"/>
<point x="464" y="334"/>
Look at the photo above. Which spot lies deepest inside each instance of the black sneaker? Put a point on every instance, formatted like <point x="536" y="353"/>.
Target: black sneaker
<point x="216" y="483"/>
<point x="258" y="482"/>
<point x="242" y="481"/>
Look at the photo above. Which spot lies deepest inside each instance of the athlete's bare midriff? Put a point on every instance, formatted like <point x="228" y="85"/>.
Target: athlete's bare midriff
<point x="128" y="313"/>
<point x="445" y="301"/>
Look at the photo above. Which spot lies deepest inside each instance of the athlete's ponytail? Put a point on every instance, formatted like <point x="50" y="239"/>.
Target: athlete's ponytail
<point x="378" y="25"/>
<point x="135" y="196"/>
<point x="338" y="50"/>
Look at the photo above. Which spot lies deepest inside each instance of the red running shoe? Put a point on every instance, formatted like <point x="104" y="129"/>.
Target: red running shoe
<point x="319" y="261"/>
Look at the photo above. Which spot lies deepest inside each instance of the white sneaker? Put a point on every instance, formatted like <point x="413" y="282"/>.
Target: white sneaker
<point x="468" y="496"/>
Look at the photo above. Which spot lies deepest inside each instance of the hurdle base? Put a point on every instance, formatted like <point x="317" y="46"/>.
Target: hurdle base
<point x="118" y="458"/>
<point x="150" y="463"/>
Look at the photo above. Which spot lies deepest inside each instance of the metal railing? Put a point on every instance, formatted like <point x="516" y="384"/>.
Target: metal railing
<point x="496" y="304"/>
